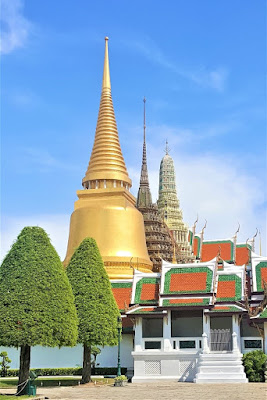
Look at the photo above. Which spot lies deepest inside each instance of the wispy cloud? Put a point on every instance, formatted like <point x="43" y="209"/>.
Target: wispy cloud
<point x="44" y="161"/>
<point x="15" y="27"/>
<point x="24" y="99"/>
<point x="215" y="78"/>
<point x="214" y="187"/>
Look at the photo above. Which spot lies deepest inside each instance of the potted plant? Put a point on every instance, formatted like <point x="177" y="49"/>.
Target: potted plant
<point x="120" y="380"/>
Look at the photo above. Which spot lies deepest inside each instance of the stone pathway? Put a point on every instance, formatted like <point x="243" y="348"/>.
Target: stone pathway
<point x="157" y="391"/>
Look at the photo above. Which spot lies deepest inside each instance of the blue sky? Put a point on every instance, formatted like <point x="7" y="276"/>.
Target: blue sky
<point x="201" y="66"/>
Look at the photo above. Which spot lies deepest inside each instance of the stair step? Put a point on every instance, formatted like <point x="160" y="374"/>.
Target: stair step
<point x="221" y="369"/>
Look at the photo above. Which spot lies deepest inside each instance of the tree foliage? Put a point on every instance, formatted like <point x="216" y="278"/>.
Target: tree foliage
<point x="4" y="363"/>
<point x="255" y="364"/>
<point x="95" y="303"/>
<point x="36" y="300"/>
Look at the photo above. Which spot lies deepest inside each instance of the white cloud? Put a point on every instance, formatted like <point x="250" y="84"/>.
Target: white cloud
<point x="215" y="78"/>
<point x="215" y="187"/>
<point x="33" y="157"/>
<point x="56" y="226"/>
<point x="14" y="26"/>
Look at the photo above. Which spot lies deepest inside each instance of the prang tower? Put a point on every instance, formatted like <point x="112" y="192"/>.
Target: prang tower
<point x="106" y="209"/>
<point x="160" y="244"/>
<point x="169" y="208"/>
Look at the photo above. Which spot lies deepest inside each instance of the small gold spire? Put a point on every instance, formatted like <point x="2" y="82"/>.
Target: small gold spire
<point x="260" y="242"/>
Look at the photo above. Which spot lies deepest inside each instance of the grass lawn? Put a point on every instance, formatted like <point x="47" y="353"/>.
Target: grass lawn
<point x="51" y="381"/>
<point x="10" y="397"/>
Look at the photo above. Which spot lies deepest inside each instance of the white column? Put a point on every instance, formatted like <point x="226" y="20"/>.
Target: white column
<point x="235" y="344"/>
<point x="236" y="329"/>
<point x="206" y="333"/>
<point x="167" y="332"/>
<point x="265" y="337"/>
<point x="138" y="334"/>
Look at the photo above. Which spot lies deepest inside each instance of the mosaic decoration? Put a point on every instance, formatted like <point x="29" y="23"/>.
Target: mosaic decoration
<point x="210" y="250"/>
<point x="197" y="245"/>
<point x="188" y="280"/>
<point x="147" y="291"/>
<point x="147" y="310"/>
<point x="261" y="275"/>
<point x="242" y="254"/>
<point x="229" y="288"/>
<point x="122" y="293"/>
<point x="185" y="302"/>
<point x="225" y="309"/>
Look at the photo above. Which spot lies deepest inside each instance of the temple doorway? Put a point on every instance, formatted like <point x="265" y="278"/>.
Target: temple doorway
<point x="220" y="334"/>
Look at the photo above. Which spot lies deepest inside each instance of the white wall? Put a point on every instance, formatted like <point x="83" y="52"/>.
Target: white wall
<point x="53" y="357"/>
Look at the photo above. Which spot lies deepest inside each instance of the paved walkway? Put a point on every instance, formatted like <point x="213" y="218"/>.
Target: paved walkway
<point x="157" y="391"/>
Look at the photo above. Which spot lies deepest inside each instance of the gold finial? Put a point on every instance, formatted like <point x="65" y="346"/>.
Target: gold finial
<point x="106" y="75"/>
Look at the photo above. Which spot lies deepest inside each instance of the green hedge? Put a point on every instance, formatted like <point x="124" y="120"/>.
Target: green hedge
<point x="255" y="365"/>
<point x="68" y="371"/>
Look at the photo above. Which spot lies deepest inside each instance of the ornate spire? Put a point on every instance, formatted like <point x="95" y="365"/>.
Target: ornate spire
<point x="106" y="162"/>
<point x="167" y="149"/>
<point x="144" y="198"/>
<point x="144" y="173"/>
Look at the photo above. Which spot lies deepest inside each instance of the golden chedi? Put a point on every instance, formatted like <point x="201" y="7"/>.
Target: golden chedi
<point x="106" y="209"/>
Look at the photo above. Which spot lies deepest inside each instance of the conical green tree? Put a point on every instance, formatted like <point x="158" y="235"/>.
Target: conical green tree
<point x="36" y="300"/>
<point x="96" y="306"/>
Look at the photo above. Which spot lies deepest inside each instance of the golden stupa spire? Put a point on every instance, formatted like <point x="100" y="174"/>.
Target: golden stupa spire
<point x="106" y="162"/>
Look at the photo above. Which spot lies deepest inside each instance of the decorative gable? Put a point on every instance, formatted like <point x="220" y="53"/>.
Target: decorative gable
<point x="259" y="272"/>
<point x="229" y="288"/>
<point x="147" y="291"/>
<point x="197" y="246"/>
<point x="211" y="249"/>
<point x="122" y="293"/>
<point x="242" y="254"/>
<point x="195" y="279"/>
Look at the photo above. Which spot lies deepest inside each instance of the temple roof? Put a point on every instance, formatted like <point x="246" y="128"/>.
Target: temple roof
<point x="259" y="272"/>
<point x="210" y="249"/>
<point x="188" y="278"/>
<point x="187" y="302"/>
<point x="106" y="160"/>
<point x="122" y="291"/>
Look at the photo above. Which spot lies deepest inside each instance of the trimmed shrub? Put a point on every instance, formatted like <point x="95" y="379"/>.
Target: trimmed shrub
<point x="255" y="364"/>
<point x="68" y="371"/>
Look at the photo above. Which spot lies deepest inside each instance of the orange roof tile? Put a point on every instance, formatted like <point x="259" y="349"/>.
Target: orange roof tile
<point x="242" y="255"/>
<point x="188" y="282"/>
<point x="150" y="291"/>
<point x="122" y="296"/>
<point x="211" y="250"/>
<point x="226" y="289"/>
<point x="185" y="301"/>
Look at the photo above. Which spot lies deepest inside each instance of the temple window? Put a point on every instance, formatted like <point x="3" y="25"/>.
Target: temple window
<point x="186" y="324"/>
<point x="152" y="327"/>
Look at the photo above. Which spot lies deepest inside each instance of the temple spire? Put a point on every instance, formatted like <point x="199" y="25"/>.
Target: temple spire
<point x="106" y="162"/>
<point x="144" y="197"/>
<point x="144" y="173"/>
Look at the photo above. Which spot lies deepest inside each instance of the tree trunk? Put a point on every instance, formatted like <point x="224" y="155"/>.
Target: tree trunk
<point x="86" y="374"/>
<point x="24" y="368"/>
